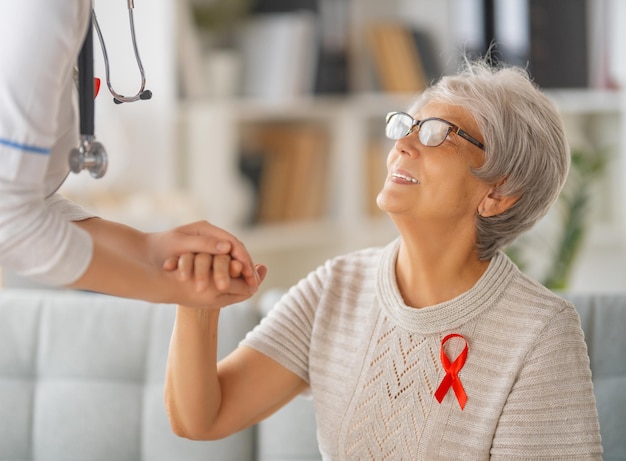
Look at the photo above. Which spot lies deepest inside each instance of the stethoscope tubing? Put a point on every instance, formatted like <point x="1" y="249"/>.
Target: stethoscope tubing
<point x="142" y="93"/>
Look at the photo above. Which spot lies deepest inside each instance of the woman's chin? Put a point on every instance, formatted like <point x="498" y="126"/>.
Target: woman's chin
<point x="381" y="203"/>
<point x="389" y="204"/>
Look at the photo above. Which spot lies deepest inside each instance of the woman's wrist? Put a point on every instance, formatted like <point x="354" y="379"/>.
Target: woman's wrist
<point x="200" y="315"/>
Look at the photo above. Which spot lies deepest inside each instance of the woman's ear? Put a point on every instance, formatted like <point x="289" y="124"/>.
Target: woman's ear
<point x="494" y="202"/>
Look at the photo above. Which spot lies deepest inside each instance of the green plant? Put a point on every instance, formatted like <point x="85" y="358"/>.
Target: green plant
<point x="574" y="200"/>
<point x="573" y="210"/>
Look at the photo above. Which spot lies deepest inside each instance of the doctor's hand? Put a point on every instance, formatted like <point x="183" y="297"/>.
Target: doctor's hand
<point x="133" y="264"/>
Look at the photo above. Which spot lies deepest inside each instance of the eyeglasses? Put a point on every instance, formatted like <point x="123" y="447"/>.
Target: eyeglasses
<point x="432" y="132"/>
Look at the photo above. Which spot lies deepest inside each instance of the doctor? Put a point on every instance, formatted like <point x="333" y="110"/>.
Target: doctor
<point x="53" y="241"/>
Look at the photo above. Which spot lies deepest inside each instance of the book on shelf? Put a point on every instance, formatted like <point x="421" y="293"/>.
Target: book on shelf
<point x="334" y="40"/>
<point x="284" y="6"/>
<point x="558" y="43"/>
<point x="426" y="51"/>
<point x="279" y="52"/>
<point x="396" y="57"/>
<point x="291" y="179"/>
<point x="549" y="38"/>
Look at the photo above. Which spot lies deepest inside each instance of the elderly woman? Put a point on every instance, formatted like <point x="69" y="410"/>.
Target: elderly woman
<point x="435" y="346"/>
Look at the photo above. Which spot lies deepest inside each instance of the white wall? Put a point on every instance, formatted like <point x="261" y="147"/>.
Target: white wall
<point x="139" y="137"/>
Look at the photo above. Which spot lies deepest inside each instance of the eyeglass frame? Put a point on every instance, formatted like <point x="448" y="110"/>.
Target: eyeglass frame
<point x="452" y="128"/>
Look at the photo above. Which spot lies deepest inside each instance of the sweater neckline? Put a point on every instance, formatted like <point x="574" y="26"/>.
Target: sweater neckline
<point x="449" y="314"/>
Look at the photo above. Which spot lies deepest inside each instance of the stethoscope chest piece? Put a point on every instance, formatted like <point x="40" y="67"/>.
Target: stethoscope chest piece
<point x="91" y="156"/>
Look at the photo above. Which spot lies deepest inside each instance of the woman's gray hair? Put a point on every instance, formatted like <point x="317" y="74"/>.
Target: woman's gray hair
<point x="525" y="144"/>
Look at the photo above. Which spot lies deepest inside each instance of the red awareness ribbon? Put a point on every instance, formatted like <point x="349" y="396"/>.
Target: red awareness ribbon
<point x="452" y="373"/>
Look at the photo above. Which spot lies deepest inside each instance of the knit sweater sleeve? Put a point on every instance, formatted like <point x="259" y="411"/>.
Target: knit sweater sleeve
<point x="551" y="412"/>
<point x="285" y="333"/>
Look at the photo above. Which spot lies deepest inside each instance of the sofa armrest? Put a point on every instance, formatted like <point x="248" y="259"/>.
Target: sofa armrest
<point x="603" y="318"/>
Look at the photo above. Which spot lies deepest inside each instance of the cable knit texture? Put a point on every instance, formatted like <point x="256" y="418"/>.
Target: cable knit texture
<point x="373" y="365"/>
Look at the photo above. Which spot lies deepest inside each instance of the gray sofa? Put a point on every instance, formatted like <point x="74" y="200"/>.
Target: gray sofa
<point x="81" y="378"/>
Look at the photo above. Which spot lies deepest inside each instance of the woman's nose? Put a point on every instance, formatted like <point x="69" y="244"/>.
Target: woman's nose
<point x="409" y="145"/>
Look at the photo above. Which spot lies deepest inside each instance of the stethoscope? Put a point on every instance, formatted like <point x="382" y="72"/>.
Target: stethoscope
<point x="91" y="155"/>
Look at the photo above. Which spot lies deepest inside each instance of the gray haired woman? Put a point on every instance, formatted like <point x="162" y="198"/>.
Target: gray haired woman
<point x="435" y="346"/>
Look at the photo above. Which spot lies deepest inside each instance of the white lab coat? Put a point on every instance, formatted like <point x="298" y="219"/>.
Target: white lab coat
<point x="39" y="44"/>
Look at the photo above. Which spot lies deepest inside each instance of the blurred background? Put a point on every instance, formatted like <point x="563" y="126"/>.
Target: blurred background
<point x="267" y="120"/>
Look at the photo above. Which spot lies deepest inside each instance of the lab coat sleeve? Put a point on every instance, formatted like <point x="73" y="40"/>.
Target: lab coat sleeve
<point x="71" y="211"/>
<point x="38" y="239"/>
<point x="37" y="123"/>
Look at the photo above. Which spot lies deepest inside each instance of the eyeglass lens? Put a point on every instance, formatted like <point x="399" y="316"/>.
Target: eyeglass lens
<point x="431" y="132"/>
<point x="398" y="126"/>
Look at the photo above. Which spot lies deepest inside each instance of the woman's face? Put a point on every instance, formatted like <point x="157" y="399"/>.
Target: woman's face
<point x="435" y="183"/>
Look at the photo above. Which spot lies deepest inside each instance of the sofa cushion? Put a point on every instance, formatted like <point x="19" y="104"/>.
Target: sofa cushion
<point x="603" y="317"/>
<point x="81" y="378"/>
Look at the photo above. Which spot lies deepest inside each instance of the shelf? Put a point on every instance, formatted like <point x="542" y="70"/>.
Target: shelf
<point x="309" y="108"/>
<point x="373" y="104"/>
<point x="586" y="101"/>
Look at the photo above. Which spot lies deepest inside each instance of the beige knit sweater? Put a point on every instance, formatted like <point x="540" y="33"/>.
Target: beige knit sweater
<point x="374" y="365"/>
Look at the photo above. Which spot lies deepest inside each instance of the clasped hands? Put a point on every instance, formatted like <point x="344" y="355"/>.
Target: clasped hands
<point x="219" y="272"/>
<point x="227" y="273"/>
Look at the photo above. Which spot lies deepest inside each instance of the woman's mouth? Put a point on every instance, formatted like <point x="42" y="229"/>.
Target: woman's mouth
<point x="404" y="178"/>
